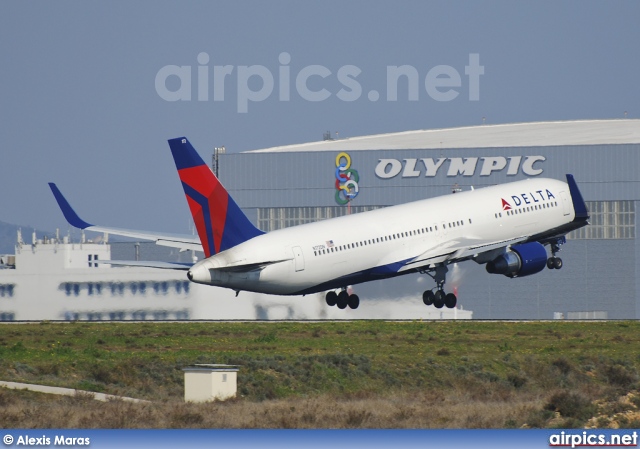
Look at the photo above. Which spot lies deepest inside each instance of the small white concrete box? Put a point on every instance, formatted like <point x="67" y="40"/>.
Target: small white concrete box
<point x="210" y="382"/>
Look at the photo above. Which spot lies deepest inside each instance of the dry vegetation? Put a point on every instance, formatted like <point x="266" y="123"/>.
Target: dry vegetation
<point x="30" y="410"/>
<point x="328" y="375"/>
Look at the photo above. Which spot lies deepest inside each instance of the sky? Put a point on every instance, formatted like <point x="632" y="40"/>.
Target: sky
<point x="91" y="91"/>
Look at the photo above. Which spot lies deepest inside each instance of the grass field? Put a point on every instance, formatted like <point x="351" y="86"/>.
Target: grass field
<point x="363" y="374"/>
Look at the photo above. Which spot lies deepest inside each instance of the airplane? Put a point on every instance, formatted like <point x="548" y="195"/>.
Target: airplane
<point x="505" y="227"/>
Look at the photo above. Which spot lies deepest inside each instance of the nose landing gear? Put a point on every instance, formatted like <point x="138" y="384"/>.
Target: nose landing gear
<point x="553" y="262"/>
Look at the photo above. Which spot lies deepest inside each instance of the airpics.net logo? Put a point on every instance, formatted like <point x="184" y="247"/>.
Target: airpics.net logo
<point x="256" y="83"/>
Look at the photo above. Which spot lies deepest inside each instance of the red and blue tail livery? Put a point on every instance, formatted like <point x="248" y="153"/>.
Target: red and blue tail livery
<point x="220" y="222"/>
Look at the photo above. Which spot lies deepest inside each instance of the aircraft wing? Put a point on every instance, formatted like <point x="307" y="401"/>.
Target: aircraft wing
<point x="457" y="250"/>
<point x="182" y="241"/>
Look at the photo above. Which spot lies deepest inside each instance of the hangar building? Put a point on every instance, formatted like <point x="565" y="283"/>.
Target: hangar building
<point x="295" y="184"/>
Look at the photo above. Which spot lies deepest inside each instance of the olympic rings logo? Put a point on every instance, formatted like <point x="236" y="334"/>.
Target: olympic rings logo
<point x="346" y="180"/>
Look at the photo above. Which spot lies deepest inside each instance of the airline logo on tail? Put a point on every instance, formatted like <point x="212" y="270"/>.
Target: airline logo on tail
<point x="220" y="222"/>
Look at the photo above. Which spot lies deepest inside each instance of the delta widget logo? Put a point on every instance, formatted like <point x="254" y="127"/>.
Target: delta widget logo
<point x="346" y="180"/>
<point x="524" y="199"/>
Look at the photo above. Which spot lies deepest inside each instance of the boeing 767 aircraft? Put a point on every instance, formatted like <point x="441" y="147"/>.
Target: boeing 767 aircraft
<point x="506" y="227"/>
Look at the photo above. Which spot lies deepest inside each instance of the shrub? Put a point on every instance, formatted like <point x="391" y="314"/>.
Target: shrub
<point x="183" y="417"/>
<point x="517" y="380"/>
<point x="570" y="405"/>
<point x="563" y="365"/>
<point x="620" y="376"/>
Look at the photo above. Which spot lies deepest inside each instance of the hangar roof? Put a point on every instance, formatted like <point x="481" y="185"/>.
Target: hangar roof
<point x="581" y="132"/>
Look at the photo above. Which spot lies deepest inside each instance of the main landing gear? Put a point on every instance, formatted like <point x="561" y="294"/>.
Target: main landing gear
<point x="553" y="262"/>
<point x="342" y="299"/>
<point x="439" y="299"/>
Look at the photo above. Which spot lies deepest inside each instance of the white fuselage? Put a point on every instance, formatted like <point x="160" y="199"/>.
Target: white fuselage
<point x="384" y="242"/>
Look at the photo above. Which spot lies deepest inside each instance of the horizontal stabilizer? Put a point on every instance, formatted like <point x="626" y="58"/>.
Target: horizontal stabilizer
<point x="244" y="268"/>
<point x="148" y="264"/>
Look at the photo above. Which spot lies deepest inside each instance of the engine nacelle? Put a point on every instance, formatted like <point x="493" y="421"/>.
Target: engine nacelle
<point x="520" y="260"/>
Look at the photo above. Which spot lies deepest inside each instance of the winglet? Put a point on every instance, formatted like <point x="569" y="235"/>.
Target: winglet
<point x="67" y="210"/>
<point x="220" y="222"/>
<point x="579" y="206"/>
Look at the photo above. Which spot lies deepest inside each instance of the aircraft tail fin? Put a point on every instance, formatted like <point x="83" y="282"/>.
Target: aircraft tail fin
<point x="220" y="222"/>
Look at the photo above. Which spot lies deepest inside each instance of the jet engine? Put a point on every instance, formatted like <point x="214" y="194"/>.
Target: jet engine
<point x="520" y="260"/>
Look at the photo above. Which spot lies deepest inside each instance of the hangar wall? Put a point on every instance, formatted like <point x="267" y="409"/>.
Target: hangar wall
<point x="601" y="270"/>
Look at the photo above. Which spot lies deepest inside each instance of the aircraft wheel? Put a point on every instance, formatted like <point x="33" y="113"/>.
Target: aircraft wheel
<point x="353" y="301"/>
<point x="438" y="300"/>
<point x="551" y="263"/>
<point x="343" y="299"/>
<point x="331" y="298"/>
<point x="427" y="297"/>
<point x="557" y="263"/>
<point x="450" y="300"/>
